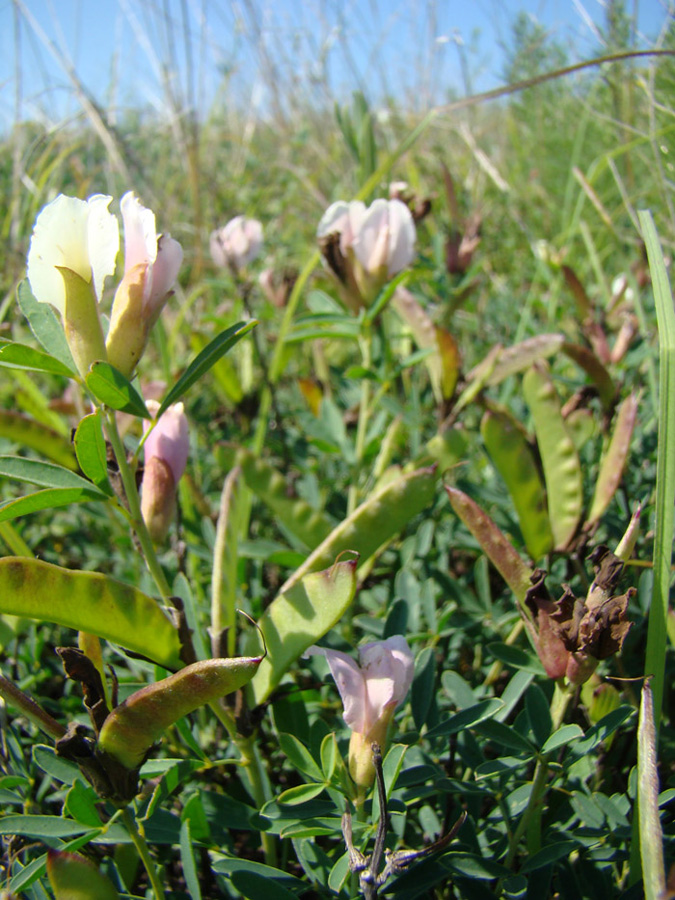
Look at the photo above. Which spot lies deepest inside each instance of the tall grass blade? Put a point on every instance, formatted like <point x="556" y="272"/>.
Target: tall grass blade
<point x="665" y="464"/>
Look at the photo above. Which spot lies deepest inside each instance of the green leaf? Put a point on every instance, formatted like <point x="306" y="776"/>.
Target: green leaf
<point x="50" y="498"/>
<point x="36" y="436"/>
<point x="538" y="713"/>
<point x="561" y="737"/>
<point x="47" y="827"/>
<point x="298" y="617"/>
<point x="115" y="390"/>
<point x="301" y="793"/>
<point x="81" y="804"/>
<point x="91" y="451"/>
<point x="55" y="766"/>
<point x="267" y="876"/>
<point x="375" y="522"/>
<point x="188" y="859"/>
<point x="422" y="691"/>
<point x="517" y="358"/>
<point x="87" y="601"/>
<point x="210" y="355"/>
<point x="45" y="325"/>
<point x="22" y="357"/>
<point x="300" y="757"/>
<point x="43" y="474"/>
<point x="467" y="718"/>
<point x="562" y="468"/>
<point x="516" y="657"/>
<point x="515" y="462"/>
<point x="549" y="855"/>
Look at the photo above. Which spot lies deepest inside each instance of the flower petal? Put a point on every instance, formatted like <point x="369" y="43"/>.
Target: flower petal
<point x="140" y="233"/>
<point x="164" y="271"/>
<point x="371" y="239"/>
<point x="388" y="667"/>
<point x="334" y="219"/>
<point x="103" y="240"/>
<point x="401" y="250"/>
<point x="59" y="239"/>
<point x="350" y="683"/>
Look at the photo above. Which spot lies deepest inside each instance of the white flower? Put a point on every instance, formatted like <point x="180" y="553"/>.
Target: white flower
<point x="80" y="235"/>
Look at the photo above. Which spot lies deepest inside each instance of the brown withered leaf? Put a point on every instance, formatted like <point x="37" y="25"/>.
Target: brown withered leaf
<point x="80" y="668"/>
<point x="602" y="631"/>
<point x="608" y="567"/>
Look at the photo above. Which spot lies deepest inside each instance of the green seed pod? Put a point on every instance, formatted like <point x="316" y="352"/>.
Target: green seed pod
<point x="73" y="877"/>
<point x="133" y="727"/>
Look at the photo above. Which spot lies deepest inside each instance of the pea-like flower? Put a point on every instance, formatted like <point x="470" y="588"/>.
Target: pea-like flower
<point x="151" y="266"/>
<point x="72" y="252"/>
<point x="370" y="693"/>
<point x="365" y="247"/>
<point x="237" y="244"/>
<point x="166" y="451"/>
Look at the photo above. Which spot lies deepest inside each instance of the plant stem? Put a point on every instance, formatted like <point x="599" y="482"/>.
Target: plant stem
<point x="30" y="709"/>
<point x="364" y="415"/>
<point x="141" y="846"/>
<point x="260" y="790"/>
<point x="531" y="817"/>
<point x="136" y="517"/>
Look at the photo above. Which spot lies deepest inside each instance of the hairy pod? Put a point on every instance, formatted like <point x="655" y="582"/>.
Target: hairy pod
<point x="134" y="726"/>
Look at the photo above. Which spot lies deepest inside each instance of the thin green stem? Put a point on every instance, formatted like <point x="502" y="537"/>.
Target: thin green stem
<point x="136" y="517"/>
<point x="364" y="416"/>
<point x="531" y="817"/>
<point x="139" y="842"/>
<point x="260" y="788"/>
<point x="30" y="709"/>
<point x="14" y="541"/>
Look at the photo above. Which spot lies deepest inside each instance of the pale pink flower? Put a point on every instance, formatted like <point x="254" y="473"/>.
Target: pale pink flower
<point x="238" y="243"/>
<point x="370" y="693"/>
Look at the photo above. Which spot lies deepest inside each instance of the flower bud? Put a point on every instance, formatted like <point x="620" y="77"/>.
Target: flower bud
<point x="364" y="248"/>
<point x="166" y="452"/>
<point x="237" y="244"/>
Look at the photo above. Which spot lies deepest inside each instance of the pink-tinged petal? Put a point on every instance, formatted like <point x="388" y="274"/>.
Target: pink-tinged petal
<point x="217" y="249"/>
<point x="169" y="440"/>
<point x="237" y="243"/>
<point x="357" y="214"/>
<point x="334" y="219"/>
<point x="140" y="233"/>
<point x="164" y="272"/>
<point x="371" y="240"/>
<point x="402" y="236"/>
<point x="388" y="667"/>
<point x="103" y="240"/>
<point x="350" y="683"/>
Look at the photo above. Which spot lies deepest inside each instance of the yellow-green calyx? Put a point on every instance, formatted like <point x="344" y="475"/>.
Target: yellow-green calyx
<point x="134" y="726"/>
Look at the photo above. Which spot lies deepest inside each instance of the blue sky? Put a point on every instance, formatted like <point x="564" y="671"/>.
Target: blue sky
<point x="251" y="50"/>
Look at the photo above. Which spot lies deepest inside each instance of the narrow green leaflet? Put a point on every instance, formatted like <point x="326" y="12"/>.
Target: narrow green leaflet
<point x="210" y="355"/>
<point x="515" y="462"/>
<point x="562" y="468"/>
<point x="518" y="357"/>
<point x="298" y="617"/>
<point x="91" y="451"/>
<point x="22" y="357"/>
<point x="466" y="718"/>
<point x="42" y="473"/>
<point x="45" y="325"/>
<point x="87" y="601"/>
<point x="115" y="390"/>
<point x="50" y="498"/>
<point x="188" y="859"/>
<point x="29" y="433"/>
